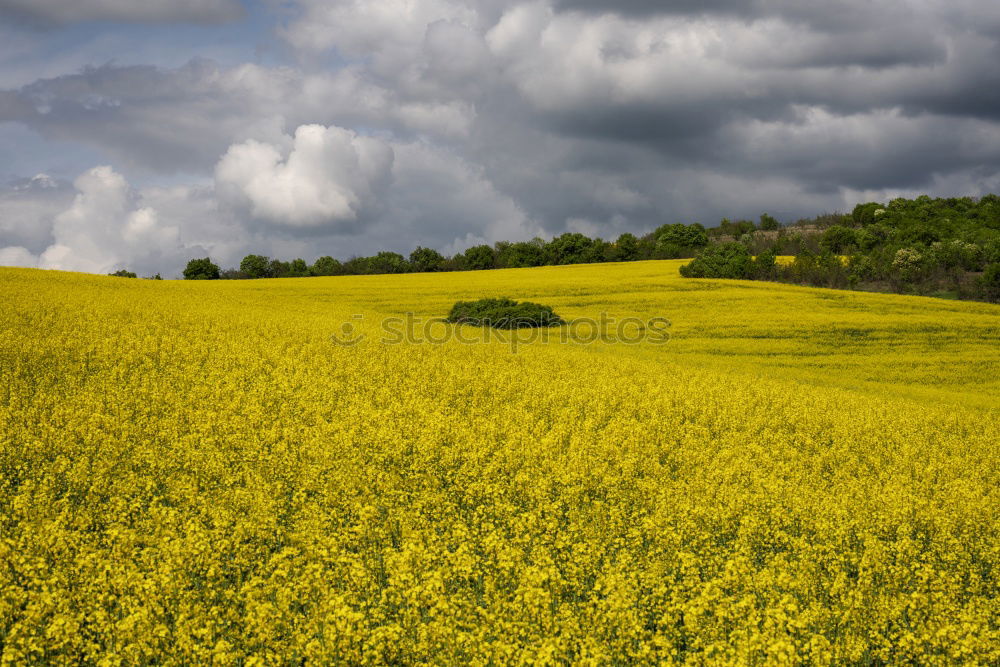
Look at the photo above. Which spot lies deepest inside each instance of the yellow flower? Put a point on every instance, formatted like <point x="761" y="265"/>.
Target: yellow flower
<point x="193" y="473"/>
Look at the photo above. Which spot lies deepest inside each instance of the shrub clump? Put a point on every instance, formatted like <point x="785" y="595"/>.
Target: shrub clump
<point x="503" y="313"/>
<point x="724" y="260"/>
<point x="731" y="260"/>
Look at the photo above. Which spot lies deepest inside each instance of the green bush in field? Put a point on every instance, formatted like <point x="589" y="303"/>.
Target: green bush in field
<point x="503" y="313"/>
<point x="724" y="260"/>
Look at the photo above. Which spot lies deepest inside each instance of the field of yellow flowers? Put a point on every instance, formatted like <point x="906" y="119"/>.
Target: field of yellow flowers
<point x="204" y="472"/>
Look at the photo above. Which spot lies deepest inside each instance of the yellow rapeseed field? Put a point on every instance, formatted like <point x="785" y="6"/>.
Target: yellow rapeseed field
<point x="199" y="472"/>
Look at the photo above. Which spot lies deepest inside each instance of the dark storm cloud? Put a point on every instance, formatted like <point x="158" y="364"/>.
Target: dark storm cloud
<point x="668" y="7"/>
<point x="184" y="119"/>
<point x="52" y="13"/>
<point x="27" y="207"/>
<point x="146" y="116"/>
<point x="834" y="15"/>
<point x="876" y="108"/>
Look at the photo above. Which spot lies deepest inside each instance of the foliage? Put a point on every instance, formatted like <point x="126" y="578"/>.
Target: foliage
<point x="991" y="251"/>
<point x="201" y="269"/>
<point x="838" y="238"/>
<point x="503" y="313"/>
<point x="123" y="273"/>
<point x="570" y="248"/>
<point x="522" y="254"/>
<point x="388" y="262"/>
<point x="232" y="274"/>
<point x="908" y="264"/>
<point x="724" y="260"/>
<point x="326" y="266"/>
<point x="954" y="237"/>
<point x="679" y="240"/>
<point x="872" y="236"/>
<point x="764" y="265"/>
<point x="382" y="263"/>
<point x="923" y="246"/>
<point x="768" y="223"/>
<point x="426" y="260"/>
<point x="479" y="258"/>
<point x="824" y="269"/>
<point x="957" y="254"/>
<point x="734" y="229"/>
<point x="277" y="268"/>
<point x="626" y="248"/>
<point x="867" y="214"/>
<point x="298" y="269"/>
<point x="989" y="283"/>
<point x="255" y="266"/>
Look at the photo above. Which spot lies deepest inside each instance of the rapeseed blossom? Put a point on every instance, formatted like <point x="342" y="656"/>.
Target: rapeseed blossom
<point x="195" y="474"/>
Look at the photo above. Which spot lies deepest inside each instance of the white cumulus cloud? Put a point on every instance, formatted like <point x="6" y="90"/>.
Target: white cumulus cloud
<point x="329" y="177"/>
<point x="106" y="227"/>
<point x="17" y="255"/>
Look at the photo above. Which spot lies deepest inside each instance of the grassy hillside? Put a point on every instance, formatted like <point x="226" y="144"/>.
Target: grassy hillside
<point x="196" y="471"/>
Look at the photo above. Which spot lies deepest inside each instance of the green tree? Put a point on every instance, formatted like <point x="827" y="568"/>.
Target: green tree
<point x="569" y="248"/>
<point x="479" y="257"/>
<point x="989" y="282"/>
<point x="388" y="262"/>
<point x="123" y="273"/>
<point x="678" y="235"/>
<point x="601" y="251"/>
<point x="298" y="268"/>
<point x="838" y="238"/>
<point x="872" y="236"/>
<point x="646" y="247"/>
<point x="862" y="268"/>
<point x="426" y="260"/>
<point x="866" y="214"/>
<point x="991" y="251"/>
<point x="201" y="269"/>
<point x="908" y="265"/>
<point x="357" y="266"/>
<point x="735" y="229"/>
<point x="921" y="232"/>
<point x="255" y="266"/>
<point x="278" y="269"/>
<point x="626" y="248"/>
<point x="723" y="260"/>
<point x="957" y="254"/>
<point x="327" y="266"/>
<point x="764" y="266"/>
<point x="521" y="254"/>
<point x="768" y="223"/>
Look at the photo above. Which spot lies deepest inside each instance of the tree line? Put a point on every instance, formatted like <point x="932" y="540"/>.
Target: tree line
<point x="670" y="241"/>
<point x="947" y="247"/>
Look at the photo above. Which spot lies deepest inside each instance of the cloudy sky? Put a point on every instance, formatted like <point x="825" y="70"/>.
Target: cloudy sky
<point x="140" y="135"/>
